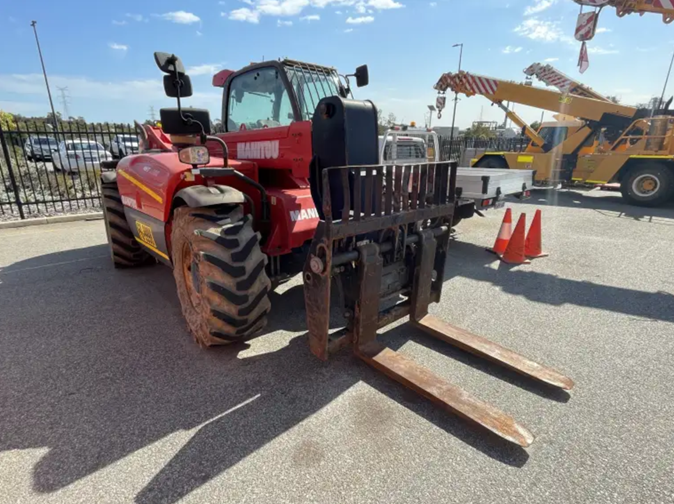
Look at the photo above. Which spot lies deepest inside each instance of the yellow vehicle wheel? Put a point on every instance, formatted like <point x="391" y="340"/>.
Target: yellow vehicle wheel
<point x="648" y="185"/>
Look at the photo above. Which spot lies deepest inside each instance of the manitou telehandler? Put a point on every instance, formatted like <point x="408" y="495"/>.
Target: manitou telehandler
<point x="294" y="185"/>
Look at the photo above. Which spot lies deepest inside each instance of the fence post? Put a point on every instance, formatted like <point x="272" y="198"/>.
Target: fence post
<point x="12" y="179"/>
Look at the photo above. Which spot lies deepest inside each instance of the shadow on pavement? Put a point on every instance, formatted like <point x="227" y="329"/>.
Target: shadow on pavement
<point x="470" y="261"/>
<point x="97" y="364"/>
<point x="607" y="203"/>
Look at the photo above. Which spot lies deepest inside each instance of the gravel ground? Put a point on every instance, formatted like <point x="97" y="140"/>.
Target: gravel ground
<point x="105" y="399"/>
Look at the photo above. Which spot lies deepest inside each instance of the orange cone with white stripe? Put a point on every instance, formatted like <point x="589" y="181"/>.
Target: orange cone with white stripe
<point x="503" y="234"/>
<point x="533" y="245"/>
<point x="514" y="253"/>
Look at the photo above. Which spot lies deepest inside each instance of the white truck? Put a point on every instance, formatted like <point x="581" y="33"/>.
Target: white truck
<point x="478" y="189"/>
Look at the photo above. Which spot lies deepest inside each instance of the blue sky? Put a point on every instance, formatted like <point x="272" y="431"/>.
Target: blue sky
<point x="103" y="54"/>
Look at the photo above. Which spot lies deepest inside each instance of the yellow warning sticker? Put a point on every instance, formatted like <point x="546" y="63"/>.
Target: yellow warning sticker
<point x="525" y="159"/>
<point x="145" y="234"/>
<point x="565" y="99"/>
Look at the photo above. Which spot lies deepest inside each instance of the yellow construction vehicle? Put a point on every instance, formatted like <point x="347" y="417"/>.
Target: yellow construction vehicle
<point x="624" y="7"/>
<point x="550" y="76"/>
<point x="609" y="143"/>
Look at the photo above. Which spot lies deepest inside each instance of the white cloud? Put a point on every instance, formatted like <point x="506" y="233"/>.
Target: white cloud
<point x="135" y="17"/>
<point x="601" y="50"/>
<point x="283" y="23"/>
<point x="313" y="17"/>
<point x="384" y="4"/>
<point x="244" y="14"/>
<point x="348" y="30"/>
<point x="338" y="12"/>
<point x="550" y="60"/>
<point x="545" y="31"/>
<point x="433" y="4"/>
<point x="118" y="23"/>
<point x="118" y="47"/>
<point x="510" y="49"/>
<point x="360" y="20"/>
<point x="23" y="108"/>
<point x="205" y="69"/>
<point x="199" y="34"/>
<point x="538" y="6"/>
<point x="222" y="2"/>
<point x="180" y="17"/>
<point x="602" y="30"/>
<point x="142" y="91"/>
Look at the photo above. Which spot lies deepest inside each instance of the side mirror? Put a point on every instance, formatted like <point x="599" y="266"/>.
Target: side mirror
<point x="362" y="76"/>
<point x="172" y="86"/>
<point x="169" y="63"/>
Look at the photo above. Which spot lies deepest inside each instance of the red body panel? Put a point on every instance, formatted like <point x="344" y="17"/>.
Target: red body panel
<point x="283" y="148"/>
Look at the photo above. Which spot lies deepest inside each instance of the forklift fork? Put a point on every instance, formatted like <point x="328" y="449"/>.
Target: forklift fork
<point x="349" y="246"/>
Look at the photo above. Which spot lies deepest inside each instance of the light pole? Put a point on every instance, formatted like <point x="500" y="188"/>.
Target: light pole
<point x="431" y="109"/>
<point x="664" y="88"/>
<point x="44" y="72"/>
<point x="456" y="97"/>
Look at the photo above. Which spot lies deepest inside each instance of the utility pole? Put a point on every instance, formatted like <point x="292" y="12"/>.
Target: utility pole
<point x="65" y="100"/>
<point x="456" y="95"/>
<point x="664" y="88"/>
<point x="44" y="72"/>
<point x="153" y="116"/>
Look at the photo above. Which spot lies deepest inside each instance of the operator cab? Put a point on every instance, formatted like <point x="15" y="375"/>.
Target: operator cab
<point x="277" y="93"/>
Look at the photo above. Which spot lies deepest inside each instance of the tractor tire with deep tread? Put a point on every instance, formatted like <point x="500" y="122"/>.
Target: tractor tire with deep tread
<point x="649" y="184"/>
<point x="124" y="249"/>
<point x="220" y="274"/>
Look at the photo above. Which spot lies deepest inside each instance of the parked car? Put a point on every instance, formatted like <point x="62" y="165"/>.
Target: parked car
<point x="124" y="145"/>
<point x="40" y="148"/>
<point x="76" y="155"/>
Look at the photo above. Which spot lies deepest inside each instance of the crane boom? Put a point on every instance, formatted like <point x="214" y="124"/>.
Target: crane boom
<point x="499" y="91"/>
<point x="553" y="77"/>
<point x="624" y="7"/>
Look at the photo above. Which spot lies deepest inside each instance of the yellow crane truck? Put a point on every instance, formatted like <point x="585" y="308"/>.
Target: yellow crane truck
<point x="605" y="143"/>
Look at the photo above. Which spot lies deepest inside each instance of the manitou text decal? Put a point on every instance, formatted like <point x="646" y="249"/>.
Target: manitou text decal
<point x="298" y="215"/>
<point x="257" y="150"/>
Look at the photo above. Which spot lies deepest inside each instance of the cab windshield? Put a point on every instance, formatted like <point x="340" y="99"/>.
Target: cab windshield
<point x="311" y="86"/>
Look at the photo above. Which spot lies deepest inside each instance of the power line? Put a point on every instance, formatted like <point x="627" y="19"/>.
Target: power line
<point x="65" y="101"/>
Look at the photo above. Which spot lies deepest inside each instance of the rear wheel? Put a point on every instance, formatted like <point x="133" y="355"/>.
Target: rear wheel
<point x="220" y="274"/>
<point x="124" y="249"/>
<point x="491" y="162"/>
<point x="648" y="185"/>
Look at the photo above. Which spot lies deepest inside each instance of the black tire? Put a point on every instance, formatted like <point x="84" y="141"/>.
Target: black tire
<point x="648" y="185"/>
<point x="29" y="158"/>
<point x="220" y="274"/>
<point x="124" y="249"/>
<point x="491" y="162"/>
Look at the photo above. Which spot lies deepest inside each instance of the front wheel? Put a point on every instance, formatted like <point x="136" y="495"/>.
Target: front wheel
<point x="648" y="185"/>
<point x="220" y="274"/>
<point x="491" y="162"/>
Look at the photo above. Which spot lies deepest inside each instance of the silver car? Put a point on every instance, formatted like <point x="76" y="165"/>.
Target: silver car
<point x="124" y="145"/>
<point x="76" y="155"/>
<point x="40" y="148"/>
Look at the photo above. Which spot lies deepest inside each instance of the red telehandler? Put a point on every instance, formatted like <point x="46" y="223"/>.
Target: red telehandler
<point x="292" y="186"/>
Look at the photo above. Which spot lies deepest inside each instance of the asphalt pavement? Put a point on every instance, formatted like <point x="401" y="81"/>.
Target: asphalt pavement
<point x="104" y="397"/>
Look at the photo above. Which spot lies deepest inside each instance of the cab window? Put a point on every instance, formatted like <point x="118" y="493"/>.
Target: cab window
<point x="258" y="99"/>
<point x="553" y="136"/>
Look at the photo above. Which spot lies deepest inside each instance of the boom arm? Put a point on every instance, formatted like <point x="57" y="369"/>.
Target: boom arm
<point x="499" y="91"/>
<point x="624" y="7"/>
<point x="553" y="77"/>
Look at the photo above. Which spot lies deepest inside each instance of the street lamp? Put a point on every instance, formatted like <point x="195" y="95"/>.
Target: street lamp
<point x="431" y="109"/>
<point x="456" y="97"/>
<point x="44" y="72"/>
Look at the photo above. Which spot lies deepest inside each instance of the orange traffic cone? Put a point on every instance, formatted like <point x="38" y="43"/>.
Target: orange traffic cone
<point x="533" y="245"/>
<point x="514" y="253"/>
<point x="503" y="234"/>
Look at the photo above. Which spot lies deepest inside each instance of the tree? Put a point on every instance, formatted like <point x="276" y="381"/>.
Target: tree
<point x="535" y="125"/>
<point x="613" y="98"/>
<point x="479" y="131"/>
<point x="385" y="123"/>
<point x="7" y="121"/>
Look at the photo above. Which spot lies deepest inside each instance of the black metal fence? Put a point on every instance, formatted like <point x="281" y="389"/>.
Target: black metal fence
<point x="44" y="172"/>
<point x="37" y="179"/>
<point x="454" y="149"/>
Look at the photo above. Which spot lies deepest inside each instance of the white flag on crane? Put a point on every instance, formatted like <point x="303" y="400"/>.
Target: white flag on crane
<point x="583" y="59"/>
